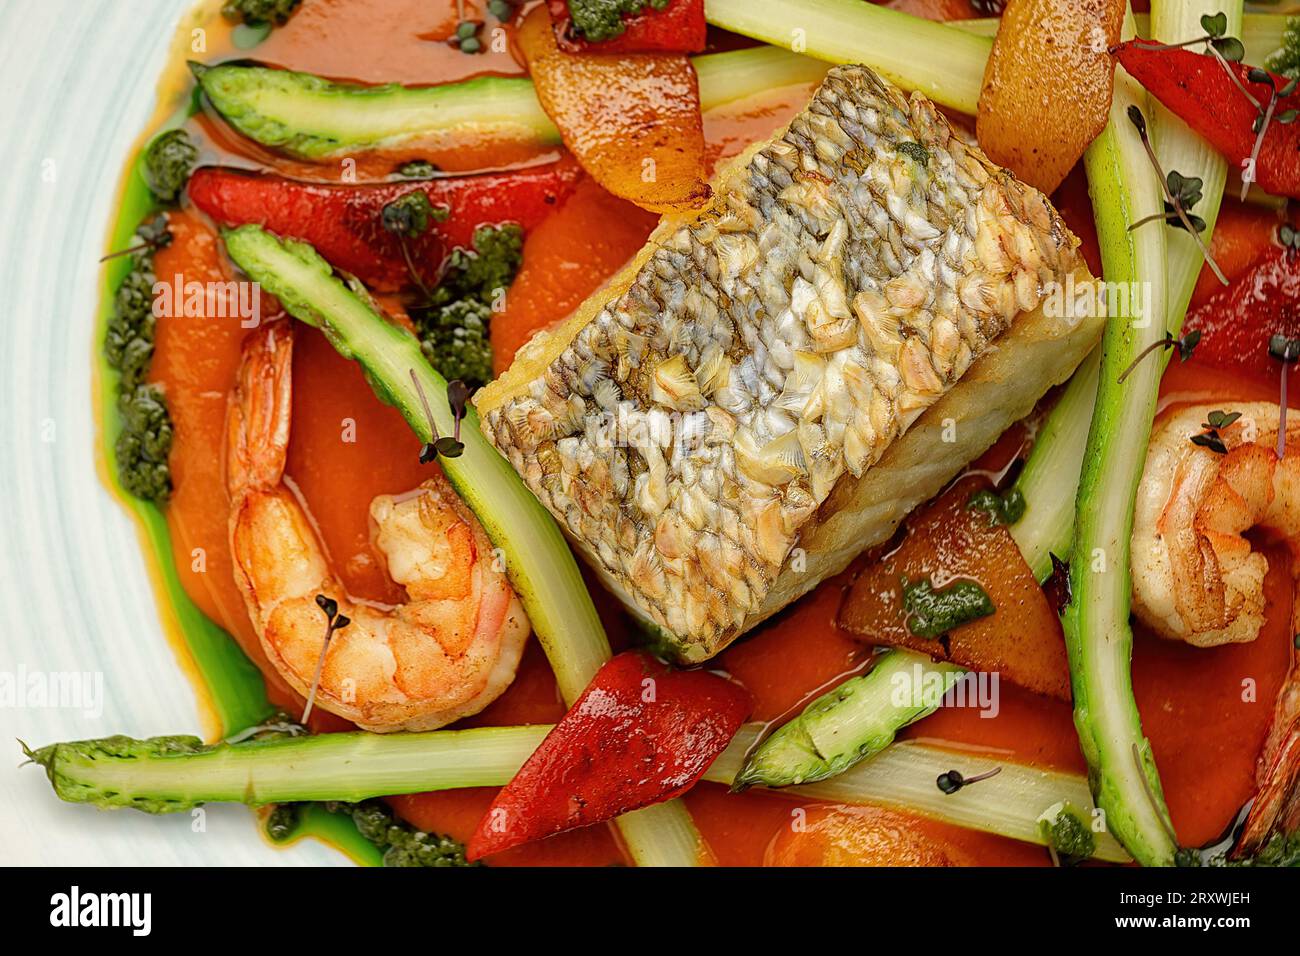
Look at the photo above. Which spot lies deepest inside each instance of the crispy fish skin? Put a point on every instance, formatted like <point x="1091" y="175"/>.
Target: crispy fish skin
<point x="730" y="392"/>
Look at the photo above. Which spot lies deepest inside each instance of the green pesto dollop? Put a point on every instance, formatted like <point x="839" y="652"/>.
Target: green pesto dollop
<point x="934" y="612"/>
<point x="402" y="844"/>
<point x="1001" y="509"/>
<point x="168" y="162"/>
<point x="256" y="12"/>
<point x="454" y="326"/>
<point x="597" y="20"/>
<point x="1067" y="832"/>
<point x="145" y="439"/>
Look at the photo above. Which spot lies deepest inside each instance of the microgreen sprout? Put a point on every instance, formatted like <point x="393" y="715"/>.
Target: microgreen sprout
<point x="1186" y="191"/>
<point x="458" y="402"/>
<point x="409" y="217"/>
<point x="153" y="235"/>
<point x="465" y="37"/>
<point x="952" y="781"/>
<point x="1174" y="201"/>
<point x="334" y="621"/>
<point x="448" y="446"/>
<point x="1185" y="344"/>
<point x="1267" y="114"/>
<point x="1229" y="50"/>
<point x="1220" y="419"/>
<point x="1287" y="351"/>
<point x="1215" y="38"/>
<point x="1210" y="437"/>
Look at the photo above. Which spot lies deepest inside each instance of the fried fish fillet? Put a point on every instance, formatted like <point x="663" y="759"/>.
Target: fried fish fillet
<point x="775" y="381"/>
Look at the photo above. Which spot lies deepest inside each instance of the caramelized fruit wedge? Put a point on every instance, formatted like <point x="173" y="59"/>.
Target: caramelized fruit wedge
<point x="632" y="120"/>
<point x="948" y="541"/>
<point x="1047" y="85"/>
<point x="857" y="836"/>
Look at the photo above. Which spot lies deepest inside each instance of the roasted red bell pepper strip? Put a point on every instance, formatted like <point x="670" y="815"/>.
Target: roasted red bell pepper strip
<point x="677" y="28"/>
<point x="343" y="222"/>
<point x="1196" y="88"/>
<point x="641" y="733"/>
<point x="1236" y="322"/>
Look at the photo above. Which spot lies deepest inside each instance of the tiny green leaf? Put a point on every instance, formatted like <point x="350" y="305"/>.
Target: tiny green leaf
<point x="449" y="447"/>
<point x="1221" y="419"/>
<point x="1212" y="441"/>
<point x="1230" y="48"/>
<point x="1137" y="119"/>
<point x="1282" y="348"/>
<point x="1187" y="344"/>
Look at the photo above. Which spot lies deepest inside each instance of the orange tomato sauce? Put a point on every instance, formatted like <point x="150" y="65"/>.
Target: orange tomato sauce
<point x="347" y="447"/>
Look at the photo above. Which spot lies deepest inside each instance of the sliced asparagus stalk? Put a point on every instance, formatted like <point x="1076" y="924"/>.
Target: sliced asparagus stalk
<point x="1050" y="478"/>
<point x="1178" y="148"/>
<point x="316" y="119"/>
<point x="946" y="65"/>
<point x="855" y="720"/>
<point x="905" y="777"/>
<point x="169" y="774"/>
<point x="1099" y="642"/>
<point x="538" y="560"/>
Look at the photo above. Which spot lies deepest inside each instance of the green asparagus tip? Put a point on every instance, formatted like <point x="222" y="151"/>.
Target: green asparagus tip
<point x="42" y="756"/>
<point x="745" y="779"/>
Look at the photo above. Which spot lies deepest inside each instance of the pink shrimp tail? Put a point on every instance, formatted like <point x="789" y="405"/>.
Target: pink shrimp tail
<point x="257" y="420"/>
<point x="1276" y="809"/>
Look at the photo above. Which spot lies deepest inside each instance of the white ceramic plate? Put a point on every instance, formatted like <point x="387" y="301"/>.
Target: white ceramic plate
<point x="77" y="85"/>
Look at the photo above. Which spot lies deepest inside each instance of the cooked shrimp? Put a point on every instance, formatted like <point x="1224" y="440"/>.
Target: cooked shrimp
<point x="1276" y="808"/>
<point x="1195" y="576"/>
<point x="446" y="653"/>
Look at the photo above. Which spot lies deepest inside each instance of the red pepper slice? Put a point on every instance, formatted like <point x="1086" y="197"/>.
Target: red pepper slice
<point x="1196" y="88"/>
<point x="343" y="222"/>
<point x="677" y="28"/>
<point x="641" y="733"/>
<point x="1236" y="321"/>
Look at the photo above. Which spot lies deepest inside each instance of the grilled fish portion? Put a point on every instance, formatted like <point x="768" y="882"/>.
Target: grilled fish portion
<point x="687" y="425"/>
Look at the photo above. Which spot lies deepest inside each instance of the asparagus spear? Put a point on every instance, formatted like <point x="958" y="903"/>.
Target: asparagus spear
<point x="853" y="721"/>
<point x="168" y="774"/>
<point x="946" y="65"/>
<point x="1050" y="478"/>
<point x="316" y="119"/>
<point x="172" y="774"/>
<point x="1099" y="642"/>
